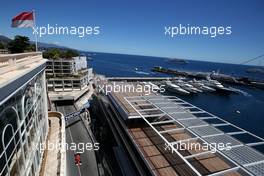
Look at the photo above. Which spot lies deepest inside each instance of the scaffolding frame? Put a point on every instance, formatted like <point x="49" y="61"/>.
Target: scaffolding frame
<point x="157" y="100"/>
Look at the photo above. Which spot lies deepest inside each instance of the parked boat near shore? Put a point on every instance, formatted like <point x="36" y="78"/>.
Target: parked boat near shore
<point x="184" y="85"/>
<point x="226" y="78"/>
<point x="218" y="86"/>
<point x="154" y="86"/>
<point x="175" y="88"/>
<point x="201" y="86"/>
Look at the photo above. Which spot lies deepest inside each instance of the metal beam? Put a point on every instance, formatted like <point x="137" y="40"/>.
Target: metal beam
<point x="237" y="132"/>
<point x="220" y="124"/>
<point x="254" y="163"/>
<point x="205" y="118"/>
<point x="162" y="122"/>
<point x="197" y="126"/>
<point x="199" y="154"/>
<point x="166" y="141"/>
<point x="254" y="143"/>
<point x="238" y="166"/>
<point x="150" y="109"/>
<point x="143" y="104"/>
<point x="172" y="130"/>
<point x="212" y="135"/>
<point x="155" y="115"/>
<point x="223" y="172"/>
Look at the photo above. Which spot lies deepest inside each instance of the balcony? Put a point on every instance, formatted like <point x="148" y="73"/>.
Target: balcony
<point x="16" y="66"/>
<point x="10" y="62"/>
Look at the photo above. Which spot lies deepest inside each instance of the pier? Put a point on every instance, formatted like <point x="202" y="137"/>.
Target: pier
<point x="219" y="77"/>
<point x="138" y="78"/>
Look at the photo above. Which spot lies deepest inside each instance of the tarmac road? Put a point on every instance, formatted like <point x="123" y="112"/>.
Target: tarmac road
<point x="76" y="133"/>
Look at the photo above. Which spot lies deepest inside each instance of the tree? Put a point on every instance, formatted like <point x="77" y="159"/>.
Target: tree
<point x="2" y="46"/>
<point x="71" y="53"/>
<point x="31" y="47"/>
<point x="19" y="44"/>
<point x="52" y="54"/>
<point x="56" y="53"/>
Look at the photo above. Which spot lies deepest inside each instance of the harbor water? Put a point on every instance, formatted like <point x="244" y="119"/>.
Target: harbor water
<point x="245" y="109"/>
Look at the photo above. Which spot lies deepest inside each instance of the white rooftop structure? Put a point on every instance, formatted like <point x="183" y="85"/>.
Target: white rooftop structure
<point x="172" y="110"/>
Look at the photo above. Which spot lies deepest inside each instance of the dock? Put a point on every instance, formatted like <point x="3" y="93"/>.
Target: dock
<point x="219" y="77"/>
<point x="138" y="78"/>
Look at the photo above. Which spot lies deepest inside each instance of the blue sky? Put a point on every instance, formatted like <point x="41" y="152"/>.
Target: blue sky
<point x="137" y="27"/>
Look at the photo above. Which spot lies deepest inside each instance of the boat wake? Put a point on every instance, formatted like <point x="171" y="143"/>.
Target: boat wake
<point x="241" y="92"/>
<point x="142" y="73"/>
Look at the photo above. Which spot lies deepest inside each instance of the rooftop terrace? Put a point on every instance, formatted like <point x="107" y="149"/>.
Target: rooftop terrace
<point x="170" y="122"/>
<point x="17" y="69"/>
<point x="13" y="66"/>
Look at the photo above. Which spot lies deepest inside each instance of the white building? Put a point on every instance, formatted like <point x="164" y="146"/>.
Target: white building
<point x="23" y="113"/>
<point x="68" y="74"/>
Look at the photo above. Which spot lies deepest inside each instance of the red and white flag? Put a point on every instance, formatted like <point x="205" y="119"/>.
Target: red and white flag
<point x="23" y="20"/>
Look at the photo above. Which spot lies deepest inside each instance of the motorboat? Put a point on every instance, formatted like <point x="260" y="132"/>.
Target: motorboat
<point x="154" y="86"/>
<point x="175" y="88"/>
<point x="218" y="86"/>
<point x="188" y="87"/>
<point x="213" y="83"/>
<point x="201" y="86"/>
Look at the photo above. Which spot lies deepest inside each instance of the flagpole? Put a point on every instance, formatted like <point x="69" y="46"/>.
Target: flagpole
<point x="36" y="37"/>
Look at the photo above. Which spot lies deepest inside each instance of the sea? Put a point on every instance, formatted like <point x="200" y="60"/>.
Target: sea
<point x="245" y="109"/>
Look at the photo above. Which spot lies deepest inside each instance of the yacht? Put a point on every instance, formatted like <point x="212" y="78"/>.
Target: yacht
<point x="201" y="86"/>
<point x="218" y="86"/>
<point x="154" y="86"/>
<point x="188" y="87"/>
<point x="175" y="88"/>
<point x="213" y="83"/>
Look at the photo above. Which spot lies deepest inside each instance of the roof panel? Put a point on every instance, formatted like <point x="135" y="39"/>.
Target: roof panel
<point x="225" y="139"/>
<point x="206" y="130"/>
<point x="257" y="169"/>
<point x="244" y="155"/>
<point x="192" y="122"/>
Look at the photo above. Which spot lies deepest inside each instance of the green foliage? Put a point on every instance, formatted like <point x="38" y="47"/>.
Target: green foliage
<point x="56" y="53"/>
<point x="19" y="44"/>
<point x="51" y="54"/>
<point x="71" y="53"/>
<point x="32" y="47"/>
<point x="2" y="46"/>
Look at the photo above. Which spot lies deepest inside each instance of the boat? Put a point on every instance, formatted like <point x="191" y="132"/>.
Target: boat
<point x="218" y="86"/>
<point x="175" y="88"/>
<point x="212" y="83"/>
<point x="255" y="70"/>
<point x="154" y="86"/>
<point x="201" y="86"/>
<point x="188" y="87"/>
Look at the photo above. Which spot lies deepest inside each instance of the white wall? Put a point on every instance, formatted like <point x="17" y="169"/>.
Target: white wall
<point x="80" y="62"/>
